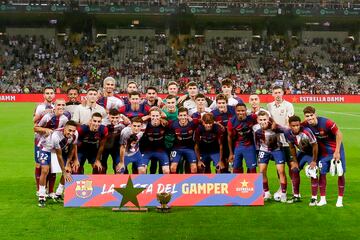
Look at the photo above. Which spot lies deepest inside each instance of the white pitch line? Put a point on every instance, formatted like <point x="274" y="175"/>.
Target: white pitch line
<point x="332" y="112"/>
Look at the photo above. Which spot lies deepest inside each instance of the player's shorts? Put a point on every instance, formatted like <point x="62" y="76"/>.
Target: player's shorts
<point x="188" y="154"/>
<point x="277" y="155"/>
<point x="36" y="154"/>
<point x="287" y="154"/>
<point x="324" y="162"/>
<point x="303" y="158"/>
<point x="115" y="155"/>
<point x="208" y="157"/>
<point x="135" y="159"/>
<point x="44" y="158"/>
<point x="87" y="154"/>
<point x="247" y="152"/>
<point x="161" y="156"/>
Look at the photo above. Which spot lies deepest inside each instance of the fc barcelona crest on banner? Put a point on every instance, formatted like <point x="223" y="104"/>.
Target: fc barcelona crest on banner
<point x="83" y="189"/>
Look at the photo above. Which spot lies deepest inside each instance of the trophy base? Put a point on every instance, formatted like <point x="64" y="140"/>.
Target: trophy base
<point x="163" y="209"/>
<point x="130" y="209"/>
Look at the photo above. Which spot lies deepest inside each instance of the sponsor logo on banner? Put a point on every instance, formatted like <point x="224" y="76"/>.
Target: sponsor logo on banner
<point x="83" y="189"/>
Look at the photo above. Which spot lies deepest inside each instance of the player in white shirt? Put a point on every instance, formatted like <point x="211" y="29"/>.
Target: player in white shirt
<point x="227" y="89"/>
<point x="83" y="113"/>
<point x="280" y="111"/>
<point x="40" y="110"/>
<point x="108" y="100"/>
<point x="62" y="142"/>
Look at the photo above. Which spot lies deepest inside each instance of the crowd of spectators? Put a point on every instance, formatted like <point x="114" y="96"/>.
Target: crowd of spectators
<point x="27" y="64"/>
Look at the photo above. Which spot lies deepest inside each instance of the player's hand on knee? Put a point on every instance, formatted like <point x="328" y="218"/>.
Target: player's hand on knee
<point x="67" y="176"/>
<point x="98" y="165"/>
<point x="220" y="165"/>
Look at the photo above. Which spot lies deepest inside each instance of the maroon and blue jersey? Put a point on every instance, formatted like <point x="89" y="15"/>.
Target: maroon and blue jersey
<point x="208" y="141"/>
<point x="89" y="139"/>
<point x="153" y="139"/>
<point x="242" y="130"/>
<point x="184" y="135"/>
<point x="222" y="117"/>
<point x="325" y="132"/>
<point x="128" y="112"/>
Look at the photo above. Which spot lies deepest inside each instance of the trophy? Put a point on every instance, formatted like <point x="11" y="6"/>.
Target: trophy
<point x="164" y="199"/>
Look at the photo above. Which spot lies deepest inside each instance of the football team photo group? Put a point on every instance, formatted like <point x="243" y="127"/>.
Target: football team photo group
<point x="142" y="133"/>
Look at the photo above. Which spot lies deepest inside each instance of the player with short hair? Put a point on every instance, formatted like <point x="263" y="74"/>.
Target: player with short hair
<point x="152" y="98"/>
<point x="83" y="113"/>
<point x="115" y="124"/>
<point x="91" y="143"/>
<point x="209" y="144"/>
<point x="153" y="142"/>
<point x="134" y="108"/>
<point x="331" y="152"/>
<point x="108" y="100"/>
<point x="40" y="110"/>
<point x="184" y="142"/>
<point x="63" y="142"/>
<point x="280" y="111"/>
<point x="129" y="146"/>
<point x="304" y="140"/>
<point x="222" y="113"/>
<point x="47" y="124"/>
<point x="201" y="108"/>
<point x="72" y="103"/>
<point x="189" y="102"/>
<point x="268" y="140"/>
<point x="227" y="90"/>
<point x="173" y="88"/>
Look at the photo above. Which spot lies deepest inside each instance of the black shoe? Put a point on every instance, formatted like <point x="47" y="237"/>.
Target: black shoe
<point x="42" y="203"/>
<point x="59" y="198"/>
<point x="294" y="199"/>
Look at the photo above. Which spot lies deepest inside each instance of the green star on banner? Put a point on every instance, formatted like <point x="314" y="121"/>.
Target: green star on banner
<point x="129" y="193"/>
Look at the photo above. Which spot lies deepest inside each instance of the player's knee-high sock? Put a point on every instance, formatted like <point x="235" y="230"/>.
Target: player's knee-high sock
<point x="295" y="180"/>
<point x="265" y="185"/>
<point x="37" y="176"/>
<point x="322" y="184"/>
<point x="52" y="180"/>
<point x="314" y="186"/>
<point x="251" y="170"/>
<point x="341" y="185"/>
<point x="283" y="187"/>
<point x="238" y="170"/>
<point x="153" y="166"/>
<point x="95" y="170"/>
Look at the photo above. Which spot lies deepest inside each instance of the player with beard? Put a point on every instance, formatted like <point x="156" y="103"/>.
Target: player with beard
<point x="108" y="100"/>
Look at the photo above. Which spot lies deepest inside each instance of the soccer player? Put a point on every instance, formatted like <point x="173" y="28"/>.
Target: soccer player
<point x="173" y="88"/>
<point x="152" y="98"/>
<point x="134" y="108"/>
<point x="201" y="108"/>
<point x="184" y="143"/>
<point x="189" y="102"/>
<point x="226" y="89"/>
<point x="129" y="146"/>
<point x="47" y="124"/>
<point x="254" y="102"/>
<point x="40" y="110"/>
<point x="62" y="141"/>
<point x="280" y="111"/>
<point x="153" y="141"/>
<point x="304" y="140"/>
<point x="131" y="87"/>
<point x="240" y="131"/>
<point x="270" y="147"/>
<point x="209" y="144"/>
<point x="109" y="100"/>
<point x="72" y="103"/>
<point x="91" y="143"/>
<point x="331" y="152"/>
<point x="83" y="113"/>
<point x="115" y="125"/>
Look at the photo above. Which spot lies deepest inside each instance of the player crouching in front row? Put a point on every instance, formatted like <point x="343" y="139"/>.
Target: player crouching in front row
<point x="62" y="142"/>
<point x="268" y="141"/>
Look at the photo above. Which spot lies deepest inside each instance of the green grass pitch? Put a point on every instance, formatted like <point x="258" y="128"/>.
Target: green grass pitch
<point x="21" y="218"/>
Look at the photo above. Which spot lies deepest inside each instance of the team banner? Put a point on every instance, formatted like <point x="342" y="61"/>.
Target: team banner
<point x="301" y="98"/>
<point x="186" y="189"/>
